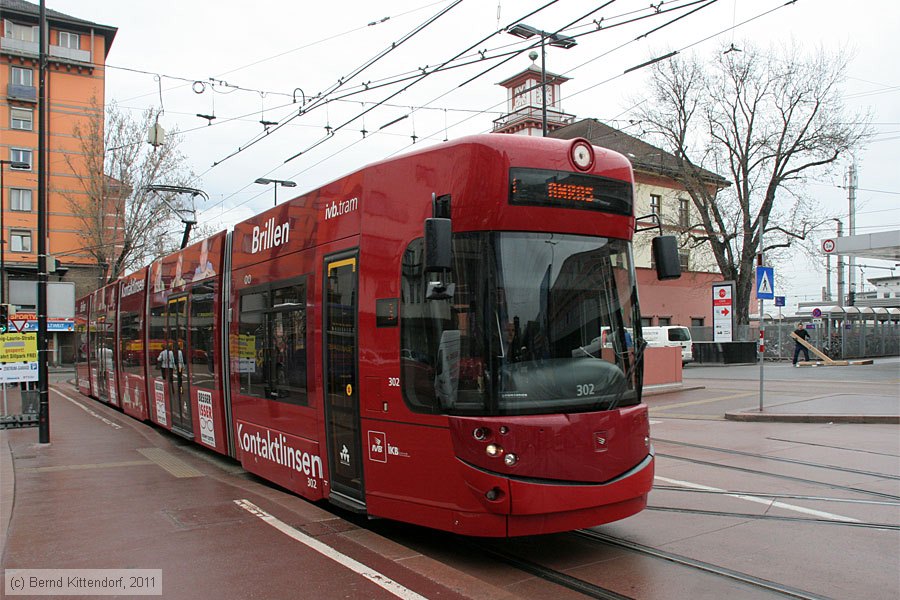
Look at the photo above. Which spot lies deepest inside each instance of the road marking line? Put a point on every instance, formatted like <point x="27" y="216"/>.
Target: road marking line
<point x="374" y="576"/>
<point x="707" y="401"/>
<point x="88" y="410"/>
<point x="771" y="503"/>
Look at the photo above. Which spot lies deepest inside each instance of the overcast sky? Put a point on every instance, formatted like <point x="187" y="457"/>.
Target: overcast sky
<point x="261" y="53"/>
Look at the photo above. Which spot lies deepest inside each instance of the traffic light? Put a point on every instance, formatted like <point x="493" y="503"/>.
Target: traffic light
<point x="4" y="318"/>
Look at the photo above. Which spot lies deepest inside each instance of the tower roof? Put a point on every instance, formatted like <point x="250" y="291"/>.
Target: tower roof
<point x="529" y="73"/>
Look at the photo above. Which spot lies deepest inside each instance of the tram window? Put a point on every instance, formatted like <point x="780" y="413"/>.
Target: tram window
<point x="156" y="336"/>
<point x="203" y="373"/>
<point x="131" y="351"/>
<point x="272" y="344"/>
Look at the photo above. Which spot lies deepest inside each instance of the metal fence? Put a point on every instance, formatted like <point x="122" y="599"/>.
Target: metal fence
<point x="837" y="339"/>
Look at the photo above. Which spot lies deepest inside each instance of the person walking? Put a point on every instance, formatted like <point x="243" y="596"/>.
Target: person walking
<point x="800" y="332"/>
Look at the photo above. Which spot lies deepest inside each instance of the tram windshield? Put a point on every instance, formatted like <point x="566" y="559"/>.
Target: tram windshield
<point x="530" y="323"/>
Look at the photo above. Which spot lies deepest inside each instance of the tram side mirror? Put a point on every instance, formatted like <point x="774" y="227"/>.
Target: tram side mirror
<point x="665" y="255"/>
<point x="437" y="245"/>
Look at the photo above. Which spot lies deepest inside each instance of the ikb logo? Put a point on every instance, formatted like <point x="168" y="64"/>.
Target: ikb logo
<point x="377" y="446"/>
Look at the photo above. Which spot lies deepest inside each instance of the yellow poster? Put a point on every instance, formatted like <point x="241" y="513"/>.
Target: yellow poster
<point x="18" y="347"/>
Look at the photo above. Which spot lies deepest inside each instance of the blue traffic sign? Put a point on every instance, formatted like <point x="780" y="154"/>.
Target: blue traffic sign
<point x="765" y="283"/>
<point x="779" y="300"/>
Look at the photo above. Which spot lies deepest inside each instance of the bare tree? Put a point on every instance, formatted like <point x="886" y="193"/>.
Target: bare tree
<point x="765" y="120"/>
<point x="124" y="225"/>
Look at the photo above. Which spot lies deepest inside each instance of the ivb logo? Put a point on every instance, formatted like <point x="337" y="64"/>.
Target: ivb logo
<point x="377" y="446"/>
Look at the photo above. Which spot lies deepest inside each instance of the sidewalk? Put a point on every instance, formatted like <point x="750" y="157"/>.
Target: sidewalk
<point x="840" y="394"/>
<point x="109" y="492"/>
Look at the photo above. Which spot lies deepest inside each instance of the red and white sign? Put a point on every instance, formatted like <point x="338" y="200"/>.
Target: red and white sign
<point x="827" y="246"/>
<point x="723" y="309"/>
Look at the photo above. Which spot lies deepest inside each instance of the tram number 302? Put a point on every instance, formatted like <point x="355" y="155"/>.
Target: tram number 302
<point x="586" y="389"/>
<point x="393" y="382"/>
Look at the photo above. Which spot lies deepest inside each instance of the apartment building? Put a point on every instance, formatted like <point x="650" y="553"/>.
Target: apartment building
<point x="75" y="75"/>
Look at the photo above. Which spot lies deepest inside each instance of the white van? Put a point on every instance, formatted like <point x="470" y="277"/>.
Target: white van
<point x="671" y="335"/>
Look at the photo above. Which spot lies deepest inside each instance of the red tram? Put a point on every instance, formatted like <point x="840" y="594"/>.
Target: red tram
<point x="450" y="379"/>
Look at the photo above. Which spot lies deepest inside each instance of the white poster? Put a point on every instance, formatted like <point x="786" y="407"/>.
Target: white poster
<point x="723" y="311"/>
<point x="207" y="424"/>
<point x="159" y="393"/>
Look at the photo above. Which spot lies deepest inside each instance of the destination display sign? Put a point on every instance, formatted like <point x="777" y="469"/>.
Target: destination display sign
<point x="562" y="189"/>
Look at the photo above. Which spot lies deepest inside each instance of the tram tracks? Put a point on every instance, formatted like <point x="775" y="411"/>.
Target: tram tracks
<point x="782" y="459"/>
<point x="769" y="517"/>
<point x="698" y="565"/>
<point x="835" y="486"/>
<point x="595" y="590"/>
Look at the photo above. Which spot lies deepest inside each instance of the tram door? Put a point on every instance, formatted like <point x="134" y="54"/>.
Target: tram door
<point x="341" y="389"/>
<point x="178" y="379"/>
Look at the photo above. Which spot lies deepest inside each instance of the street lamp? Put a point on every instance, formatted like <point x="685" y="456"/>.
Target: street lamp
<point x="560" y="41"/>
<point x="15" y="165"/>
<point x="277" y="182"/>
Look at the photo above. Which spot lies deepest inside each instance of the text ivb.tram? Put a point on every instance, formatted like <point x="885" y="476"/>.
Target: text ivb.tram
<point x="419" y="340"/>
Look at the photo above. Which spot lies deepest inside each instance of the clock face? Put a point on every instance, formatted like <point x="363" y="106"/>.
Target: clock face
<point x="519" y="98"/>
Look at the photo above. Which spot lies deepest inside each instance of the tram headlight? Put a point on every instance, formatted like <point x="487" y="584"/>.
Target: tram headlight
<point x="493" y="450"/>
<point x="510" y="459"/>
<point x="480" y="433"/>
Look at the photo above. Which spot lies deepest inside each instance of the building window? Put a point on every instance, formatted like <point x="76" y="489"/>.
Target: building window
<point x="684" y="215"/>
<point x="20" y="241"/>
<point x="67" y="39"/>
<point x="656" y="204"/>
<point x="24" y="33"/>
<point x="20" y="199"/>
<point x="21" y="76"/>
<point x="684" y="259"/>
<point x="646" y="322"/>
<point x="20" y="155"/>
<point x="21" y="118"/>
<point x="664" y="321"/>
<point x="696" y="321"/>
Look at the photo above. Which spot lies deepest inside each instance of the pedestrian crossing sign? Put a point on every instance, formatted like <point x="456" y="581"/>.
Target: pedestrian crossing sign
<point x="765" y="283"/>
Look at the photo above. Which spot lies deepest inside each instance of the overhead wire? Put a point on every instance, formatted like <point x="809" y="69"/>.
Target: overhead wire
<point x="693" y="2"/>
<point x="322" y="96"/>
<point x="365" y="111"/>
<point x="707" y="3"/>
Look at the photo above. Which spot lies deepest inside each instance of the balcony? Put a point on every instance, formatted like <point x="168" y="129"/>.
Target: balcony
<point x="533" y="113"/>
<point x="70" y="54"/>
<point x="22" y="48"/>
<point x="19" y="46"/>
<point x="27" y="93"/>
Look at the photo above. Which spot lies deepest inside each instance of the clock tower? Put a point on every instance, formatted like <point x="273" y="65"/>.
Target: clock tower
<point x="524" y="103"/>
